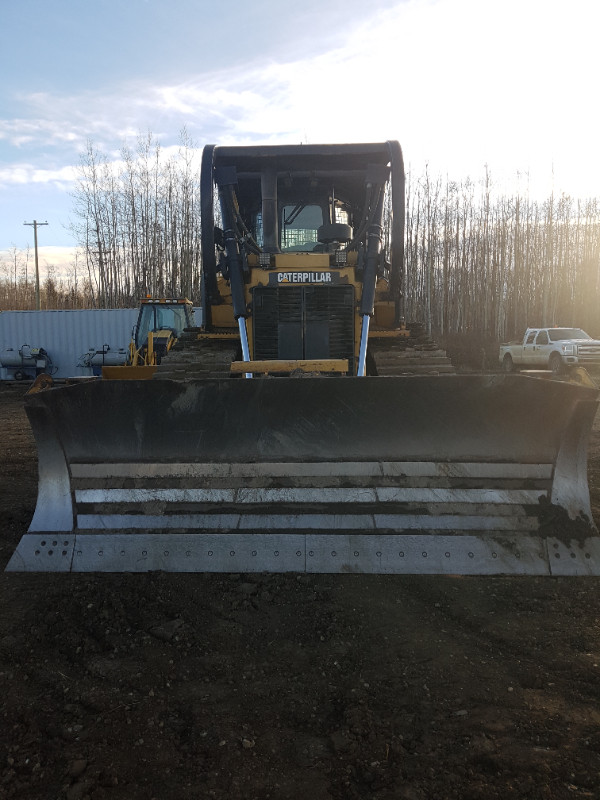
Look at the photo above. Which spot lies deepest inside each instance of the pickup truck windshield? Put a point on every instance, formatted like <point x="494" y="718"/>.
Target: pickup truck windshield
<point x="556" y="334"/>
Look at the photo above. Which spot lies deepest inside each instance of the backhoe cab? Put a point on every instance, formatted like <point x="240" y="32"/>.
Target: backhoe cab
<point x="160" y="323"/>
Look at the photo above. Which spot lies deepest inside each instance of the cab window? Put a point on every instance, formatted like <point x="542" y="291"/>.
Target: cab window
<point x="531" y="337"/>
<point x="542" y="338"/>
<point x="300" y="224"/>
<point x="154" y="317"/>
<point x="556" y="334"/>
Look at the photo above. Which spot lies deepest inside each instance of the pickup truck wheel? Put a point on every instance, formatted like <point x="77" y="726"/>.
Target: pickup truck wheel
<point x="556" y="364"/>
<point x="507" y="363"/>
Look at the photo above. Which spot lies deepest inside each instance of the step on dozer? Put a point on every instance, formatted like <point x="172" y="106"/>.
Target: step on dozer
<point x="415" y="474"/>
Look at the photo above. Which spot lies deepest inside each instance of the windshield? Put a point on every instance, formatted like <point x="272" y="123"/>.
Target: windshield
<point x="300" y="226"/>
<point x="556" y="334"/>
<point x="154" y="317"/>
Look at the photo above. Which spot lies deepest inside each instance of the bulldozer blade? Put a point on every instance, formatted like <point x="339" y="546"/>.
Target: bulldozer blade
<point x="456" y="474"/>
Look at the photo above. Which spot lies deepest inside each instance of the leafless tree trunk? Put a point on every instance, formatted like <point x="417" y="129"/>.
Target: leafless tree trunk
<point x="475" y="260"/>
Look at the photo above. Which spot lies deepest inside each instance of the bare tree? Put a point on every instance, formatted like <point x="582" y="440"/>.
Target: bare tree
<point x="476" y="259"/>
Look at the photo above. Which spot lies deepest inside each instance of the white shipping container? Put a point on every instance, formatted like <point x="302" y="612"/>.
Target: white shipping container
<point x="65" y="336"/>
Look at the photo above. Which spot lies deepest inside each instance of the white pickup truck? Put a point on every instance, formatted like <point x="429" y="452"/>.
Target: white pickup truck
<point x="551" y="348"/>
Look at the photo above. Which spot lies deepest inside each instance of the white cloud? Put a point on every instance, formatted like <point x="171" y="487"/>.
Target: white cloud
<point x="460" y="83"/>
<point x="20" y="132"/>
<point x="29" y="173"/>
<point x="59" y="260"/>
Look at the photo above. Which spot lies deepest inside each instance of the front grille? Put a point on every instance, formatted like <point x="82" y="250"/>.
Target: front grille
<point x="294" y="322"/>
<point x="588" y="351"/>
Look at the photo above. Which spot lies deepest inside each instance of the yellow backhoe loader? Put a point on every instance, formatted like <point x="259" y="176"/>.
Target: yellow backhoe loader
<point x="161" y="322"/>
<point x="305" y="426"/>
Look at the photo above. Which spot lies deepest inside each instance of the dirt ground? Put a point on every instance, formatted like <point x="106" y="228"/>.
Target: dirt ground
<point x="282" y="686"/>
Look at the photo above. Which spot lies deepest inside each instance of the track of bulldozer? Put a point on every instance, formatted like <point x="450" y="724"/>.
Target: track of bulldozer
<point x="197" y="355"/>
<point x="416" y="354"/>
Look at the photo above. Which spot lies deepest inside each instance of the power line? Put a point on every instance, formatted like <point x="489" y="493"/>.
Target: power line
<point x="35" y="225"/>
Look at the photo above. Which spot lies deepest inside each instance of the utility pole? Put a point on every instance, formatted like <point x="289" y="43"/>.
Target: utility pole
<point x="35" y="225"/>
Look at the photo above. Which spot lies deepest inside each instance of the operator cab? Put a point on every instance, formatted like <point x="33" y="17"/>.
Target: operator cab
<point x="306" y="227"/>
<point x="162" y="315"/>
<point x="319" y="235"/>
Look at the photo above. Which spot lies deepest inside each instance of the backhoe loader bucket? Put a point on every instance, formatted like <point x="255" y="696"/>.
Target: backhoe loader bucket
<point x="415" y="474"/>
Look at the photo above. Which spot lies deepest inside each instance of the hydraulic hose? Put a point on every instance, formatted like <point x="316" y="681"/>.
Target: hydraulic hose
<point x="367" y="301"/>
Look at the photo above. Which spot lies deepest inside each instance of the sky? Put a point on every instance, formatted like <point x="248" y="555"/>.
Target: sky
<point x="511" y="84"/>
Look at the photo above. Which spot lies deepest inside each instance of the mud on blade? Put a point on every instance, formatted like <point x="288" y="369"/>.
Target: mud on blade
<point x="418" y="474"/>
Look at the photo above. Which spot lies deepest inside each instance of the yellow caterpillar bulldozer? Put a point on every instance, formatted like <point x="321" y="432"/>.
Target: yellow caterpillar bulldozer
<point x="304" y="426"/>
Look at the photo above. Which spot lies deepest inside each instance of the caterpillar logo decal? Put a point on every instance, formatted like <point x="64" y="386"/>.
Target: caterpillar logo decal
<point x="303" y="277"/>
